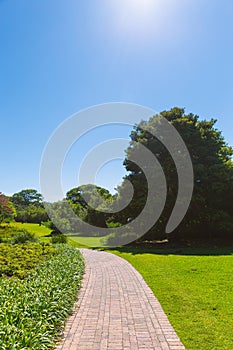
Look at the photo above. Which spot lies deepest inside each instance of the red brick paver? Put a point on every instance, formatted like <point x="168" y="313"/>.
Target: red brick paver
<point x="116" y="310"/>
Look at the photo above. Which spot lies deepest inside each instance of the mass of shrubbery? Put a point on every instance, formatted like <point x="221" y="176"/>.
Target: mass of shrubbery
<point x="18" y="260"/>
<point x="34" y="308"/>
<point x="38" y="285"/>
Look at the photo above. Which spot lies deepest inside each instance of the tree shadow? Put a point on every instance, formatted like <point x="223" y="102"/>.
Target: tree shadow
<point x="194" y="248"/>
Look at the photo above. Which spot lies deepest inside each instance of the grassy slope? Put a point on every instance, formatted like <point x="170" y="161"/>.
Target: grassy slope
<point x="85" y="241"/>
<point x="43" y="231"/>
<point x="40" y="231"/>
<point x="196" y="293"/>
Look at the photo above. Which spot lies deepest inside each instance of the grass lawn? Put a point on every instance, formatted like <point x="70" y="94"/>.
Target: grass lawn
<point x="87" y="242"/>
<point x="40" y="231"/>
<point x="196" y="292"/>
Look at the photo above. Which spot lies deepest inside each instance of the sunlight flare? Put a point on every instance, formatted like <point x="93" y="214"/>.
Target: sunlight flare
<point x="134" y="17"/>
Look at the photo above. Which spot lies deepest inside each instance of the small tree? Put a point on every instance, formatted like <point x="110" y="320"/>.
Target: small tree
<point x="7" y="210"/>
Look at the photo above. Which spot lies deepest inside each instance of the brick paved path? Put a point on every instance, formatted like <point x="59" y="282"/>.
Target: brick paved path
<point x="116" y="310"/>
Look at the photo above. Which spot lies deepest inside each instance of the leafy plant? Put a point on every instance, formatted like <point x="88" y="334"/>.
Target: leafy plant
<point x="19" y="259"/>
<point x="24" y="237"/>
<point x="7" y="210"/>
<point x="32" y="311"/>
<point x="59" y="239"/>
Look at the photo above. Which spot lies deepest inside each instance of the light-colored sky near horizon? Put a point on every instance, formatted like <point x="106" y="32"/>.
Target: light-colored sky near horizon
<point x="58" y="57"/>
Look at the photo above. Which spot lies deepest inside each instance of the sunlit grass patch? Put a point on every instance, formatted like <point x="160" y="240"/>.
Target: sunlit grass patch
<point x="196" y="292"/>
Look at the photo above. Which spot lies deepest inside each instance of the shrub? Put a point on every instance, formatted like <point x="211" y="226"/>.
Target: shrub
<point x="59" y="239"/>
<point x="24" y="237"/>
<point x="32" y="311"/>
<point x="9" y="234"/>
<point x="7" y="210"/>
<point x="19" y="259"/>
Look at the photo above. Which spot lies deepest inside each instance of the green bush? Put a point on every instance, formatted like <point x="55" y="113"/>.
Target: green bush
<point x="33" y="310"/>
<point x="59" y="239"/>
<point x="9" y="234"/>
<point x="6" y="233"/>
<point x="24" y="237"/>
<point x="19" y="259"/>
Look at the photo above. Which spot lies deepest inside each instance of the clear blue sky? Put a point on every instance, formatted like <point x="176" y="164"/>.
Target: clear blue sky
<point x="58" y="57"/>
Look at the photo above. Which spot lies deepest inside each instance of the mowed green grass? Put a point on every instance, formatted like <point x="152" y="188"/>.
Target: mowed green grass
<point x="80" y="241"/>
<point x="196" y="292"/>
<point x="42" y="232"/>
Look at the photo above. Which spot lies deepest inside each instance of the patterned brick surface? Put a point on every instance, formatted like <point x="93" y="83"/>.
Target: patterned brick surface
<point x="116" y="310"/>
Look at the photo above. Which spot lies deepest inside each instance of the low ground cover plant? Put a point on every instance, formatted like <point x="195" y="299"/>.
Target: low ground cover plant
<point x="33" y="309"/>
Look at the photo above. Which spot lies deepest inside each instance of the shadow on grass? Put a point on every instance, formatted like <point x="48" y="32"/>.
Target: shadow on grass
<point x="206" y="248"/>
<point x="195" y="248"/>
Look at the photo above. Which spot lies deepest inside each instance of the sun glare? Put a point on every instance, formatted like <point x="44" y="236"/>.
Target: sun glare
<point x="133" y="16"/>
<point x="140" y="7"/>
<point x="135" y="8"/>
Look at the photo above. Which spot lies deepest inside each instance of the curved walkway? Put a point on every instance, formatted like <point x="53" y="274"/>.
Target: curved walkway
<point x="116" y="310"/>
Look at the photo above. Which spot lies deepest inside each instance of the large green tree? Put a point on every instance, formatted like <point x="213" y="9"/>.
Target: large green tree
<point x="210" y="214"/>
<point x="89" y="203"/>
<point x="29" y="206"/>
<point x="27" y="197"/>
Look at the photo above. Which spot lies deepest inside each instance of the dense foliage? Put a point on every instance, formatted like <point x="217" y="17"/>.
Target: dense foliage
<point x="89" y="204"/>
<point x="32" y="311"/>
<point x="61" y="239"/>
<point x="7" y="210"/>
<point x="11" y="234"/>
<point x="210" y="214"/>
<point x="19" y="259"/>
<point x="29" y="206"/>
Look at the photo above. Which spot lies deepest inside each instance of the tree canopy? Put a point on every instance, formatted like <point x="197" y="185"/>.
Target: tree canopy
<point x="7" y="210"/>
<point x="210" y="211"/>
<point x="29" y="206"/>
<point x="89" y="203"/>
<point x="27" y="197"/>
